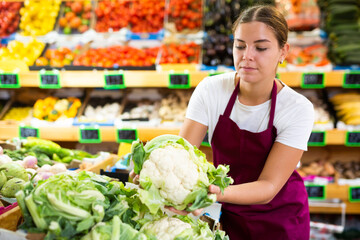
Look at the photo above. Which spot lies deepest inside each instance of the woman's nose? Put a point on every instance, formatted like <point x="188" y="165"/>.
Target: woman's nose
<point x="248" y="54"/>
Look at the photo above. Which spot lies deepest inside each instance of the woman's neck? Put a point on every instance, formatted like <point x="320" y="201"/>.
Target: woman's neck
<point x="252" y="94"/>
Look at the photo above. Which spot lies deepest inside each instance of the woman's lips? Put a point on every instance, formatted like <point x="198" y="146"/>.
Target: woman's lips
<point x="248" y="69"/>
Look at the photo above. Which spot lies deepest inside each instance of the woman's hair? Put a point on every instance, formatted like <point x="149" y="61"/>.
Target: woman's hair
<point x="268" y="15"/>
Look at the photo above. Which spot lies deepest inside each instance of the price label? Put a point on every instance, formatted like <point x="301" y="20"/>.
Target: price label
<point x="316" y="192"/>
<point x="352" y="139"/>
<point x="126" y="135"/>
<point x="25" y="132"/>
<point x="90" y="135"/>
<point x="351" y="80"/>
<point x="179" y="81"/>
<point x="312" y="80"/>
<point x="9" y="80"/>
<point x="317" y="138"/>
<point x="354" y="194"/>
<point x="49" y="80"/>
<point x="205" y="141"/>
<point x="114" y="81"/>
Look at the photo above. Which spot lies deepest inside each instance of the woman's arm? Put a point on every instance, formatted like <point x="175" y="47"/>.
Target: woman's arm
<point x="279" y="166"/>
<point x="193" y="131"/>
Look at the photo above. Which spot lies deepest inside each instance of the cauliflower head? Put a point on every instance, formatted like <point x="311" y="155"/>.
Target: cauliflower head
<point x="175" y="173"/>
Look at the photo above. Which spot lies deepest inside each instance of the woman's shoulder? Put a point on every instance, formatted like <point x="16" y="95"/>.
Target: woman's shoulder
<point x="289" y="96"/>
<point x="224" y="80"/>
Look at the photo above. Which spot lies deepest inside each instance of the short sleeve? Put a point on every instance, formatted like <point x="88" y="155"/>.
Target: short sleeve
<point x="298" y="124"/>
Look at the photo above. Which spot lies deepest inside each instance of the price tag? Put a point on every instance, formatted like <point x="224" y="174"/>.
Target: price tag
<point x="9" y="80"/>
<point x="114" y="81"/>
<point x="126" y="135"/>
<point x="25" y="132"/>
<point x="351" y="80"/>
<point x="205" y="141"/>
<point x="317" y="138"/>
<point x="179" y="81"/>
<point x="352" y="139"/>
<point x="316" y="192"/>
<point x="90" y="135"/>
<point x="312" y="80"/>
<point x="49" y="80"/>
<point x="354" y="194"/>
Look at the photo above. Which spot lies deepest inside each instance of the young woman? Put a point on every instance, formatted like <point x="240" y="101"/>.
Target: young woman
<point x="258" y="126"/>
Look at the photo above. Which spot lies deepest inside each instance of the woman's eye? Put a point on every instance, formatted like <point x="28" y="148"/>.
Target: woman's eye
<point x="261" y="49"/>
<point x="240" y="47"/>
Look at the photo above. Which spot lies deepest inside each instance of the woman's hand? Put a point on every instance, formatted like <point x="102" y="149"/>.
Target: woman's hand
<point x="134" y="177"/>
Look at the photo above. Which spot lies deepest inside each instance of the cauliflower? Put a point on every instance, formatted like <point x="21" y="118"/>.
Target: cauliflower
<point x="175" y="173"/>
<point x="181" y="227"/>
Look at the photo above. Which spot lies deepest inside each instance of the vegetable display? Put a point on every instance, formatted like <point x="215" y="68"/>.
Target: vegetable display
<point x="172" y="172"/>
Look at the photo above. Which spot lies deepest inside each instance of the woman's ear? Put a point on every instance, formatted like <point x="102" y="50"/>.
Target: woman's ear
<point x="284" y="51"/>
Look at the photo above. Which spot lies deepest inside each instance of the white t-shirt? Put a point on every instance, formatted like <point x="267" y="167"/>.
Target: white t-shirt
<point x="294" y="113"/>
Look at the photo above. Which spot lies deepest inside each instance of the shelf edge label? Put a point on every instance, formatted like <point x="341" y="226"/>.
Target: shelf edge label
<point x="351" y="79"/>
<point x="25" y="132"/>
<point x="127" y="135"/>
<point x="179" y="80"/>
<point x="49" y="80"/>
<point x="9" y="80"/>
<point x="114" y="81"/>
<point x="313" y="80"/>
<point x="317" y="139"/>
<point x="89" y="135"/>
<point x="354" y="194"/>
<point x="315" y="191"/>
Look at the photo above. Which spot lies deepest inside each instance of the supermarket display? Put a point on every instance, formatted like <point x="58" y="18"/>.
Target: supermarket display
<point x="144" y="43"/>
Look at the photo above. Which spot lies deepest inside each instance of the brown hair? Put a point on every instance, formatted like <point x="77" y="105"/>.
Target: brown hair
<point x="268" y="15"/>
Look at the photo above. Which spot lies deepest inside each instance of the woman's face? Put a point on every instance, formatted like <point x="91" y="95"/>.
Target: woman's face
<point x="256" y="52"/>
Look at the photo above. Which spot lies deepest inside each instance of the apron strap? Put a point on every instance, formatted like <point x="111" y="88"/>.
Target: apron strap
<point x="273" y="104"/>
<point x="232" y="100"/>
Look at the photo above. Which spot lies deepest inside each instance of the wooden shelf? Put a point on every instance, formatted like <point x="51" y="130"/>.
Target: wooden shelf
<point x="148" y="78"/>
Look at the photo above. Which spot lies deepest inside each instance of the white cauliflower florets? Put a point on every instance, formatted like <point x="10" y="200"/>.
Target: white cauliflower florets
<point x="167" y="228"/>
<point x="172" y="171"/>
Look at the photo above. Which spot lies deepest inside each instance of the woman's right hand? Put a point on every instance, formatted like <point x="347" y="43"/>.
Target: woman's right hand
<point x="134" y="177"/>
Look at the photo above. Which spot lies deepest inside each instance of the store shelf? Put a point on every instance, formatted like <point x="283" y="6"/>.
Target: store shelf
<point x="108" y="134"/>
<point x="95" y="78"/>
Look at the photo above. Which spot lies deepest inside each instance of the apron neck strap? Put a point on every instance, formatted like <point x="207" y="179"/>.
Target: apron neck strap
<point x="233" y="97"/>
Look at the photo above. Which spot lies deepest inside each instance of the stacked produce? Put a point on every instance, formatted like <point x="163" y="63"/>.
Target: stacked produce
<point x="112" y="15"/>
<point x="315" y="55"/>
<point x="184" y="15"/>
<point x="174" y="173"/>
<point x="320" y="168"/>
<point x="173" y="107"/>
<point x="143" y="110"/>
<point x="14" y="173"/>
<point x="76" y="17"/>
<point x="101" y="110"/>
<point x="46" y="152"/>
<point x="9" y="17"/>
<point x="52" y="108"/>
<point x="89" y="206"/>
<point x="147" y="16"/>
<point x="57" y="57"/>
<point x="27" y="52"/>
<point x="341" y="25"/>
<point x="38" y="17"/>
<point x="18" y="113"/>
<point x="180" y="53"/>
<point x="117" y="56"/>
<point x="347" y="106"/>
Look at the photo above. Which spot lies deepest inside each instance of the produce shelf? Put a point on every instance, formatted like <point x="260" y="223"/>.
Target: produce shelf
<point x="108" y="134"/>
<point x="148" y="78"/>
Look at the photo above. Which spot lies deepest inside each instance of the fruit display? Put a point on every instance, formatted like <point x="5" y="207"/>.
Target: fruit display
<point x="314" y="55"/>
<point x="180" y="53"/>
<point x="57" y="57"/>
<point x="27" y="52"/>
<point x="53" y="108"/>
<point x="112" y="15"/>
<point x="173" y="107"/>
<point x="38" y="17"/>
<point x="76" y="17"/>
<point x="347" y="107"/>
<point x="300" y="15"/>
<point x="18" y="113"/>
<point x="321" y="168"/>
<point x="9" y="17"/>
<point x="117" y="56"/>
<point x="217" y="50"/>
<point x="184" y="15"/>
<point x="146" y="16"/>
<point x="340" y="22"/>
<point x="143" y="110"/>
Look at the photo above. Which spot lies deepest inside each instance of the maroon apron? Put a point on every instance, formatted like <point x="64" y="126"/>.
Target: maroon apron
<point x="287" y="215"/>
